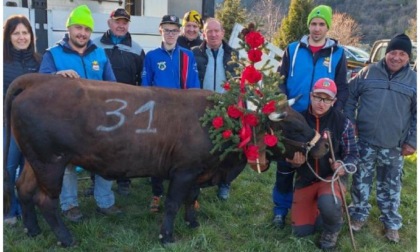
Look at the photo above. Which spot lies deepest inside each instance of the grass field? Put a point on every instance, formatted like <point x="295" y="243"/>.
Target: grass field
<point x="243" y="223"/>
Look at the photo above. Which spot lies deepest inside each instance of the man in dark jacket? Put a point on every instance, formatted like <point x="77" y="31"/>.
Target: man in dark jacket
<point x="315" y="200"/>
<point x="212" y="58"/>
<point x="126" y="57"/>
<point x="383" y="106"/>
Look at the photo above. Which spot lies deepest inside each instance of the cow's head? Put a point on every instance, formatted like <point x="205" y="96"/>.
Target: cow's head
<point x="297" y="134"/>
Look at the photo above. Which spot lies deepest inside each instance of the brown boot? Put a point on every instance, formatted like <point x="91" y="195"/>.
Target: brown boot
<point x="392" y="235"/>
<point x="328" y="240"/>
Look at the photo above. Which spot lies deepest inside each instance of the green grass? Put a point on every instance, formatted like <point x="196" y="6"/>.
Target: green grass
<point x="243" y="223"/>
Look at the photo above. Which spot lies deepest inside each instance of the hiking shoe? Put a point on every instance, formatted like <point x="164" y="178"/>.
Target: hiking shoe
<point x="11" y="221"/>
<point x="73" y="214"/>
<point x="328" y="240"/>
<point x="123" y="189"/>
<point x="279" y="221"/>
<point x="110" y="211"/>
<point x="155" y="204"/>
<point x="357" y="225"/>
<point x="223" y="192"/>
<point x="392" y="235"/>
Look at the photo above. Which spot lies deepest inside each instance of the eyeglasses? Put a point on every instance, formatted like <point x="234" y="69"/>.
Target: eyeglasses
<point x="324" y="100"/>
<point x="173" y="32"/>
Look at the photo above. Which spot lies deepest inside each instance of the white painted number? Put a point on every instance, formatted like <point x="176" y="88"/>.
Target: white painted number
<point x="149" y="106"/>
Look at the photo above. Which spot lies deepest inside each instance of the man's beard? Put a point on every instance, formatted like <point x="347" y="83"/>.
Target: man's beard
<point x="77" y="44"/>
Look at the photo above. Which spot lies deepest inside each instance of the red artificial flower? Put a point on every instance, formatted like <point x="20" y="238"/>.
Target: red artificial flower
<point x="251" y="152"/>
<point x="255" y="55"/>
<point x="227" y="134"/>
<point x="245" y="136"/>
<point x="226" y="86"/>
<point x="251" y="75"/>
<point x="251" y="120"/>
<point x="217" y="122"/>
<point x="269" y="107"/>
<point x="234" y="112"/>
<point x="254" y="39"/>
<point x="270" y="140"/>
<point x="258" y="92"/>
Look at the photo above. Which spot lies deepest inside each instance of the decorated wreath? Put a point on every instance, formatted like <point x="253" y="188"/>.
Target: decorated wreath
<point x="238" y="122"/>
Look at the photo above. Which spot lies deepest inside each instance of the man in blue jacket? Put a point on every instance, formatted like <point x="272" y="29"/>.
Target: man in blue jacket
<point x="169" y="66"/>
<point x="76" y="56"/>
<point x="313" y="57"/>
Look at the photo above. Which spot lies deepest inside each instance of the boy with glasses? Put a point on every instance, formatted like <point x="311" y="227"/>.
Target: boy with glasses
<point x="169" y="66"/>
<point x="314" y="201"/>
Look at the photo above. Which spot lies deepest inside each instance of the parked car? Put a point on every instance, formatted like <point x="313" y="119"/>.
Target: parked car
<point x="356" y="54"/>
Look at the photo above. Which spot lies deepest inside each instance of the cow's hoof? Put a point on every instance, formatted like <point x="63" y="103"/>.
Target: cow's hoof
<point x="193" y="224"/>
<point x="166" y="239"/>
<point x="32" y="232"/>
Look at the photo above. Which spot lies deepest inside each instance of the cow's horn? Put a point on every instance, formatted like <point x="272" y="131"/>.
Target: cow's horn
<point x="293" y="100"/>
<point x="276" y="117"/>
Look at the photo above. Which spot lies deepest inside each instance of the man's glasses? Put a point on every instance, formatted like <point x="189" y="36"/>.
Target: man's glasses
<point x="320" y="99"/>
<point x="173" y="32"/>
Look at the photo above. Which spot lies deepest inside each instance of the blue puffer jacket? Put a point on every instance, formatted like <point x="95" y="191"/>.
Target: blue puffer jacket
<point x="302" y="69"/>
<point x="93" y="64"/>
<point x="174" y="69"/>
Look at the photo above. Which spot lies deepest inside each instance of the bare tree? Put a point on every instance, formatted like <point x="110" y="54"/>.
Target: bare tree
<point x="267" y="14"/>
<point x="412" y="28"/>
<point x="345" y="29"/>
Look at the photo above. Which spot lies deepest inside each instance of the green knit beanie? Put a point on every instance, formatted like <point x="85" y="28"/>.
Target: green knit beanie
<point x="81" y="16"/>
<point x="321" y="11"/>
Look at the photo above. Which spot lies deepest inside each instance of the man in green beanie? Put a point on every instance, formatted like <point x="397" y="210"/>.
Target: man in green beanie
<point x="76" y="56"/>
<point x="313" y="57"/>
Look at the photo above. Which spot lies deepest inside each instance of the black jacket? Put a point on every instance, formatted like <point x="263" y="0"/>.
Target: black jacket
<point x="184" y="42"/>
<point x="126" y="58"/>
<point x="334" y="121"/>
<point x="202" y="59"/>
<point x="23" y="63"/>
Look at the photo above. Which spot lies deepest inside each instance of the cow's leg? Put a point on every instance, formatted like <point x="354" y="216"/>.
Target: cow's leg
<point x="46" y="190"/>
<point x="179" y="187"/>
<point x="27" y="187"/>
<point x="190" y="211"/>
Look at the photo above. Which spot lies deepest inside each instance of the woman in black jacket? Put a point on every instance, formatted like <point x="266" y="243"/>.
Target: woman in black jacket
<point x="19" y="57"/>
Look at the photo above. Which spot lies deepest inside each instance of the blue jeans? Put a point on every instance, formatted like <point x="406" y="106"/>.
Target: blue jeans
<point x="15" y="160"/>
<point x="283" y="188"/>
<point x="103" y="194"/>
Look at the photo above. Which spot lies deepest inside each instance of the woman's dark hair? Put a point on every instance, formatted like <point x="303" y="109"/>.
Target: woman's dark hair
<point x="9" y="27"/>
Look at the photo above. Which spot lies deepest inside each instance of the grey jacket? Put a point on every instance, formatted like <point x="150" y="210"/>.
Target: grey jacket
<point x="383" y="106"/>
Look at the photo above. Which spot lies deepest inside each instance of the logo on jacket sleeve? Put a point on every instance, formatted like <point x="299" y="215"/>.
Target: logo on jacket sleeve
<point x="161" y="65"/>
<point x="95" y="65"/>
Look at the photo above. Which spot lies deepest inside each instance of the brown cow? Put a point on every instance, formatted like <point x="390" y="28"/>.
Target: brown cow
<point x="117" y="130"/>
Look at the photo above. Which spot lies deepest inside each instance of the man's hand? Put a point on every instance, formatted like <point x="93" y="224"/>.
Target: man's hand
<point x="335" y="165"/>
<point x="68" y="74"/>
<point x="407" y="150"/>
<point x="298" y="159"/>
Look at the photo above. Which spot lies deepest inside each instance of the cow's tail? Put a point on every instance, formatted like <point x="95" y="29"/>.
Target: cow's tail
<point x="15" y="88"/>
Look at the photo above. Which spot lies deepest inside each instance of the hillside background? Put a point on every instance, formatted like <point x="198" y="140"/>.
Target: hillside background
<point x="378" y="19"/>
